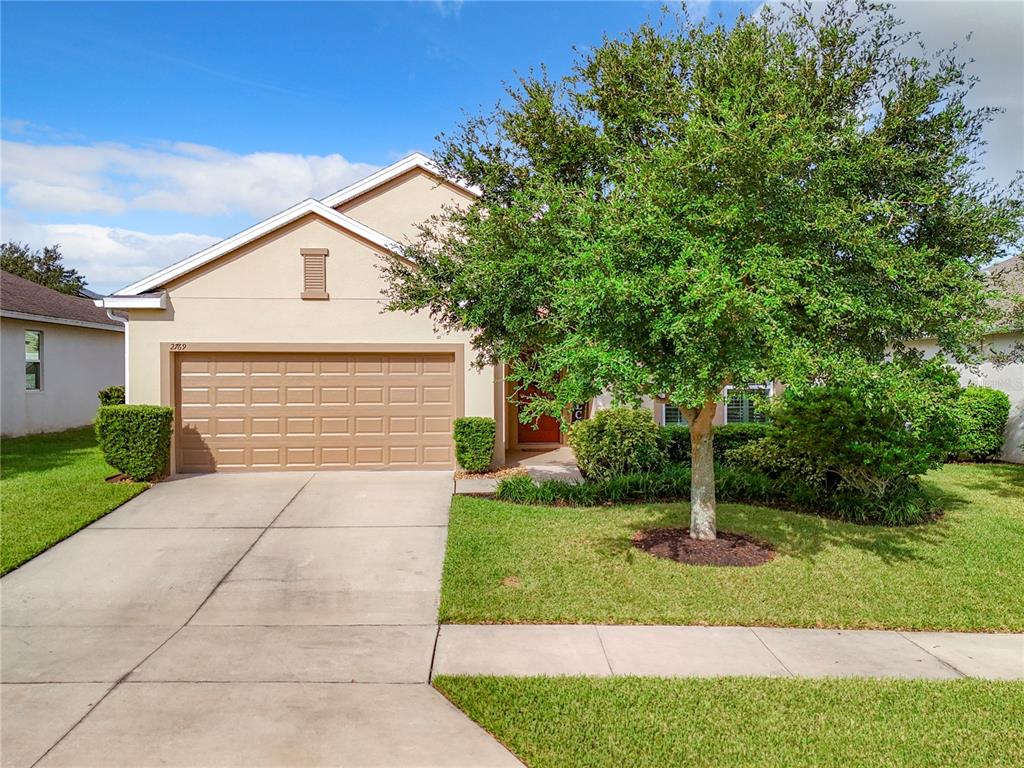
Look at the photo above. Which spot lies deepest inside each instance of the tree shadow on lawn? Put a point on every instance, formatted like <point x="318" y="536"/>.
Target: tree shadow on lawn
<point x="1004" y="480"/>
<point x="792" y="534"/>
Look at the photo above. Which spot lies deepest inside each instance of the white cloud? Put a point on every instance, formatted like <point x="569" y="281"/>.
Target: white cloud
<point x="179" y="178"/>
<point x="109" y="257"/>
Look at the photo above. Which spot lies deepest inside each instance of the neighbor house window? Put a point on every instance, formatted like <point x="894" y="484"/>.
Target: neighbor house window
<point x="33" y="359"/>
<point x="314" y="273"/>
<point x="673" y="415"/>
<point x="739" y="403"/>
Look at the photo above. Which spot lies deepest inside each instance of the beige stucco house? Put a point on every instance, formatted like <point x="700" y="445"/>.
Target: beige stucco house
<point x="275" y="353"/>
<point x="273" y="348"/>
<point x="56" y="352"/>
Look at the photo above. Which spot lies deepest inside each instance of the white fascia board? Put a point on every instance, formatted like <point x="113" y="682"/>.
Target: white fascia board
<point x="393" y="171"/>
<point x="255" y="232"/>
<point x="119" y="301"/>
<point x="33" y="318"/>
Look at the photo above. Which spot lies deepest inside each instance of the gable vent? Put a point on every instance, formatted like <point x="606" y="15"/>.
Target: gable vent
<point x="314" y="273"/>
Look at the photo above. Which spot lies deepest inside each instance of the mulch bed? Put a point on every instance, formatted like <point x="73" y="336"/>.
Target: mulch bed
<point x="736" y="549"/>
<point x="462" y="474"/>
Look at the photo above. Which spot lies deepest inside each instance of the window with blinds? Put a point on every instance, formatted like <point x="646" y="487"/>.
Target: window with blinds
<point x="673" y="415"/>
<point x="314" y="273"/>
<point x="740" y="407"/>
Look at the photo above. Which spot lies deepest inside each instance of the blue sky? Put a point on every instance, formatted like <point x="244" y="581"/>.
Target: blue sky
<point x="135" y="133"/>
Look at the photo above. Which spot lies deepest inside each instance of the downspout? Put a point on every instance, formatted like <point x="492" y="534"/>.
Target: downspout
<point x="123" y="321"/>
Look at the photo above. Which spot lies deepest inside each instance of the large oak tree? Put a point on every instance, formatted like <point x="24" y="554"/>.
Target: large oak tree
<point x="699" y="205"/>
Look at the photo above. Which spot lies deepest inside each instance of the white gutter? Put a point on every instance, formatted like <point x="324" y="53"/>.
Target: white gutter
<point x="124" y="322"/>
<point x="149" y="301"/>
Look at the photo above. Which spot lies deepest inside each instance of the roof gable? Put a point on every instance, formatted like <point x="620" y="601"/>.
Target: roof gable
<point x="141" y="293"/>
<point x="393" y="171"/>
<point x="253" y="233"/>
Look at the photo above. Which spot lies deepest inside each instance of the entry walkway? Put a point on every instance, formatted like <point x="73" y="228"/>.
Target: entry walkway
<point x="284" y="619"/>
<point x="523" y="650"/>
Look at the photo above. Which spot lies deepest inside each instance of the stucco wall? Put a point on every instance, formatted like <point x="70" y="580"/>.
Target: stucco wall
<point x="1008" y="378"/>
<point x="253" y="297"/>
<point x="77" y="363"/>
<point x="397" y="208"/>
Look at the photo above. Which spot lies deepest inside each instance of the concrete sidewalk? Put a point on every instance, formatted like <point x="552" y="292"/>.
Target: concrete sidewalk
<point x="548" y="464"/>
<point x="665" y="651"/>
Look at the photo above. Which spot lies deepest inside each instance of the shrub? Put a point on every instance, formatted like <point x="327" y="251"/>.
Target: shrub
<point x="732" y="484"/>
<point x="669" y="484"/>
<point x="135" y="439"/>
<point x="111" y="395"/>
<point x="874" y="428"/>
<point x="617" y="441"/>
<point x="474" y="442"/>
<point x="983" y="412"/>
<point x="676" y="439"/>
<point x="518" y="489"/>
<point x="766" y="455"/>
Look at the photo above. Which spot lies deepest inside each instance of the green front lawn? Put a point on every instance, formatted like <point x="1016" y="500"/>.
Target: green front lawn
<point x="592" y="723"/>
<point x="520" y="564"/>
<point x="50" y="486"/>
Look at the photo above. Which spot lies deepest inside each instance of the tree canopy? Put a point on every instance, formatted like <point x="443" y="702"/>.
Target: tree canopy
<point x="45" y="267"/>
<point x="697" y="205"/>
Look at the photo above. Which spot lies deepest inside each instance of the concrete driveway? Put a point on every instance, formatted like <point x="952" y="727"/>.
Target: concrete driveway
<point x="278" y="619"/>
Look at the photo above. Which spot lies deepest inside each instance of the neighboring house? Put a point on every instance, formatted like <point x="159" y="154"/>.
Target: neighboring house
<point x="57" y="351"/>
<point x="1008" y="377"/>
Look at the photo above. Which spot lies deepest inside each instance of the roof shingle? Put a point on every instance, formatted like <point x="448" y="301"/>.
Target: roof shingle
<point x="20" y="295"/>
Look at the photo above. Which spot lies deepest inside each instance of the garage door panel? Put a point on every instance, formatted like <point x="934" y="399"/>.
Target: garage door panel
<point x="438" y="395"/>
<point x="241" y="411"/>
<point x="299" y="395"/>
<point x="334" y="425"/>
<point x="407" y="393"/>
<point x="437" y="455"/>
<point x="334" y="395"/>
<point x="265" y="425"/>
<point x="437" y="425"/>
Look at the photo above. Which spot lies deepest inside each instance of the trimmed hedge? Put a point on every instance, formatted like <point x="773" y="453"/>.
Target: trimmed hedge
<point x="111" y="395"/>
<point x="670" y="484"/>
<point x="474" y="442"/>
<point x="676" y="439"/>
<point x="135" y="439"/>
<point x="617" y="441"/>
<point x="983" y="413"/>
<point x="732" y="484"/>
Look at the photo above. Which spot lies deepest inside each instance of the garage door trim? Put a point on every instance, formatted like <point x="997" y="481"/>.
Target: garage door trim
<point x="169" y="350"/>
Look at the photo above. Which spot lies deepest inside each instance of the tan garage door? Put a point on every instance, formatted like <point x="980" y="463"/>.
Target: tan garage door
<point x="260" y="411"/>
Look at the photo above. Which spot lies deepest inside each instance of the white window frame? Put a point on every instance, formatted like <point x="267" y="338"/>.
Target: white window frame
<point x="39" y="376"/>
<point x="766" y="386"/>
<point x="664" y="413"/>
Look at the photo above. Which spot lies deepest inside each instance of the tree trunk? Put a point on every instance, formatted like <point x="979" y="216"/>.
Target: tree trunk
<point x="702" y="479"/>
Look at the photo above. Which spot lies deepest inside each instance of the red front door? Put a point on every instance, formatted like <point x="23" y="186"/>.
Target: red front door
<point x="547" y="428"/>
